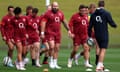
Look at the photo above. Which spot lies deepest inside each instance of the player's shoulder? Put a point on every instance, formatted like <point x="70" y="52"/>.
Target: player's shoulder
<point x="75" y="15"/>
<point x="5" y="17"/>
<point x="48" y="12"/>
<point x="13" y="18"/>
<point x="24" y="17"/>
<point x="38" y="16"/>
<point x="107" y="12"/>
<point x="60" y="11"/>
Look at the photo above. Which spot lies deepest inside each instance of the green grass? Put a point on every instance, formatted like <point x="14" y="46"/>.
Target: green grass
<point x="112" y="61"/>
<point x="69" y="7"/>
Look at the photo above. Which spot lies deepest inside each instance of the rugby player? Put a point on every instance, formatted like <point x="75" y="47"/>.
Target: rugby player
<point x="34" y="38"/>
<point x="51" y="31"/>
<point x="78" y="25"/>
<point x="7" y="32"/>
<point x="18" y="23"/>
<point x="99" y="20"/>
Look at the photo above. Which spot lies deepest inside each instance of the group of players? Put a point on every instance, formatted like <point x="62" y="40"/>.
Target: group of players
<point x="27" y="31"/>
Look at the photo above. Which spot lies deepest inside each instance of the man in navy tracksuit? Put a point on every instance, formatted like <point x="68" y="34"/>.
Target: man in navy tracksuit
<point x="99" y="20"/>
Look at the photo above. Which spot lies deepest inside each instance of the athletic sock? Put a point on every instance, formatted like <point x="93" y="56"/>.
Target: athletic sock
<point x="45" y="59"/>
<point x="51" y="59"/>
<point x="41" y="53"/>
<point x="99" y="65"/>
<point x="78" y="55"/>
<point x="33" y="62"/>
<point x="86" y="61"/>
<point x="82" y="53"/>
<point x="96" y="61"/>
<point x="55" y="61"/>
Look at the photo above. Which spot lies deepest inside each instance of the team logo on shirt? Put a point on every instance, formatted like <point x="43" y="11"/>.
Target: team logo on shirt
<point x="21" y="25"/>
<point x="35" y="25"/>
<point x="83" y="22"/>
<point x="99" y="19"/>
<point x="57" y="19"/>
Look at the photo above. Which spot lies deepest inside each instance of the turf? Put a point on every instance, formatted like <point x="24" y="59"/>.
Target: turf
<point x="69" y="7"/>
<point x="112" y="61"/>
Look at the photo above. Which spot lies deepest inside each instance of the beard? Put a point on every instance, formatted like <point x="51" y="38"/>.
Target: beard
<point x="54" y="10"/>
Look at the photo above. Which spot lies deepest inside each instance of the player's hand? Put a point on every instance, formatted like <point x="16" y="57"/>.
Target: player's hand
<point x="70" y="34"/>
<point x="12" y="40"/>
<point x="27" y="36"/>
<point x="37" y="31"/>
<point x="4" y="38"/>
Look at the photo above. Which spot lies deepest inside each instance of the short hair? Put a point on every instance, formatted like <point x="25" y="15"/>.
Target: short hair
<point x="92" y="5"/>
<point x="29" y="7"/>
<point x="101" y="3"/>
<point x="10" y="6"/>
<point x="17" y="10"/>
<point x="82" y="6"/>
<point x="35" y="10"/>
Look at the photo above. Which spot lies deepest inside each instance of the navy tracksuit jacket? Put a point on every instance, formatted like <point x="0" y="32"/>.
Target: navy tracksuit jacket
<point x="99" y="20"/>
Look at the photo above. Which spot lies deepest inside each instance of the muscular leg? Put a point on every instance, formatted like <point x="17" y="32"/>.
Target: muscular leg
<point x="19" y="63"/>
<point x="51" y="45"/>
<point x="32" y="54"/>
<point x="10" y="49"/>
<point x="51" y="53"/>
<point x="19" y="51"/>
<point x="46" y="53"/>
<point x="100" y="65"/>
<point x="55" y="59"/>
<point x="56" y="50"/>
<point x="86" y="55"/>
<point x="97" y="51"/>
<point x="36" y="45"/>
<point x="74" y="51"/>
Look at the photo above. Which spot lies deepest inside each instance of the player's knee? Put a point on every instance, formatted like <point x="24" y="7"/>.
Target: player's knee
<point x="86" y="49"/>
<point x="11" y="49"/>
<point x="47" y="49"/>
<point x="51" y="49"/>
<point x="56" y="50"/>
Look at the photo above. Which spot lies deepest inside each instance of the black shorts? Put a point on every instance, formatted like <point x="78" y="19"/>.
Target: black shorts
<point x="102" y="43"/>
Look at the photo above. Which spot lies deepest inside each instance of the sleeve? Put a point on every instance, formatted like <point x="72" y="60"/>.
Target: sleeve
<point x="45" y="17"/>
<point x="110" y="20"/>
<point x="71" y="24"/>
<point x="12" y="24"/>
<point x="26" y="24"/>
<point x="2" y="27"/>
<point x="90" y="26"/>
<point x="63" y="17"/>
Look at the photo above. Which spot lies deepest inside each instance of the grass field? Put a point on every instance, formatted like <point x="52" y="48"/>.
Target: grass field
<point x="112" y="61"/>
<point x="69" y="7"/>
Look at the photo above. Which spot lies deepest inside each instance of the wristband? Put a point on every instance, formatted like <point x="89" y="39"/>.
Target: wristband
<point x="42" y="33"/>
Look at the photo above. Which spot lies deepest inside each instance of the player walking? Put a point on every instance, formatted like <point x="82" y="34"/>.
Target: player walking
<point x="7" y="33"/>
<point x="99" y="21"/>
<point x="34" y="38"/>
<point x="51" y="30"/>
<point x="19" y="25"/>
<point x="78" y="25"/>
